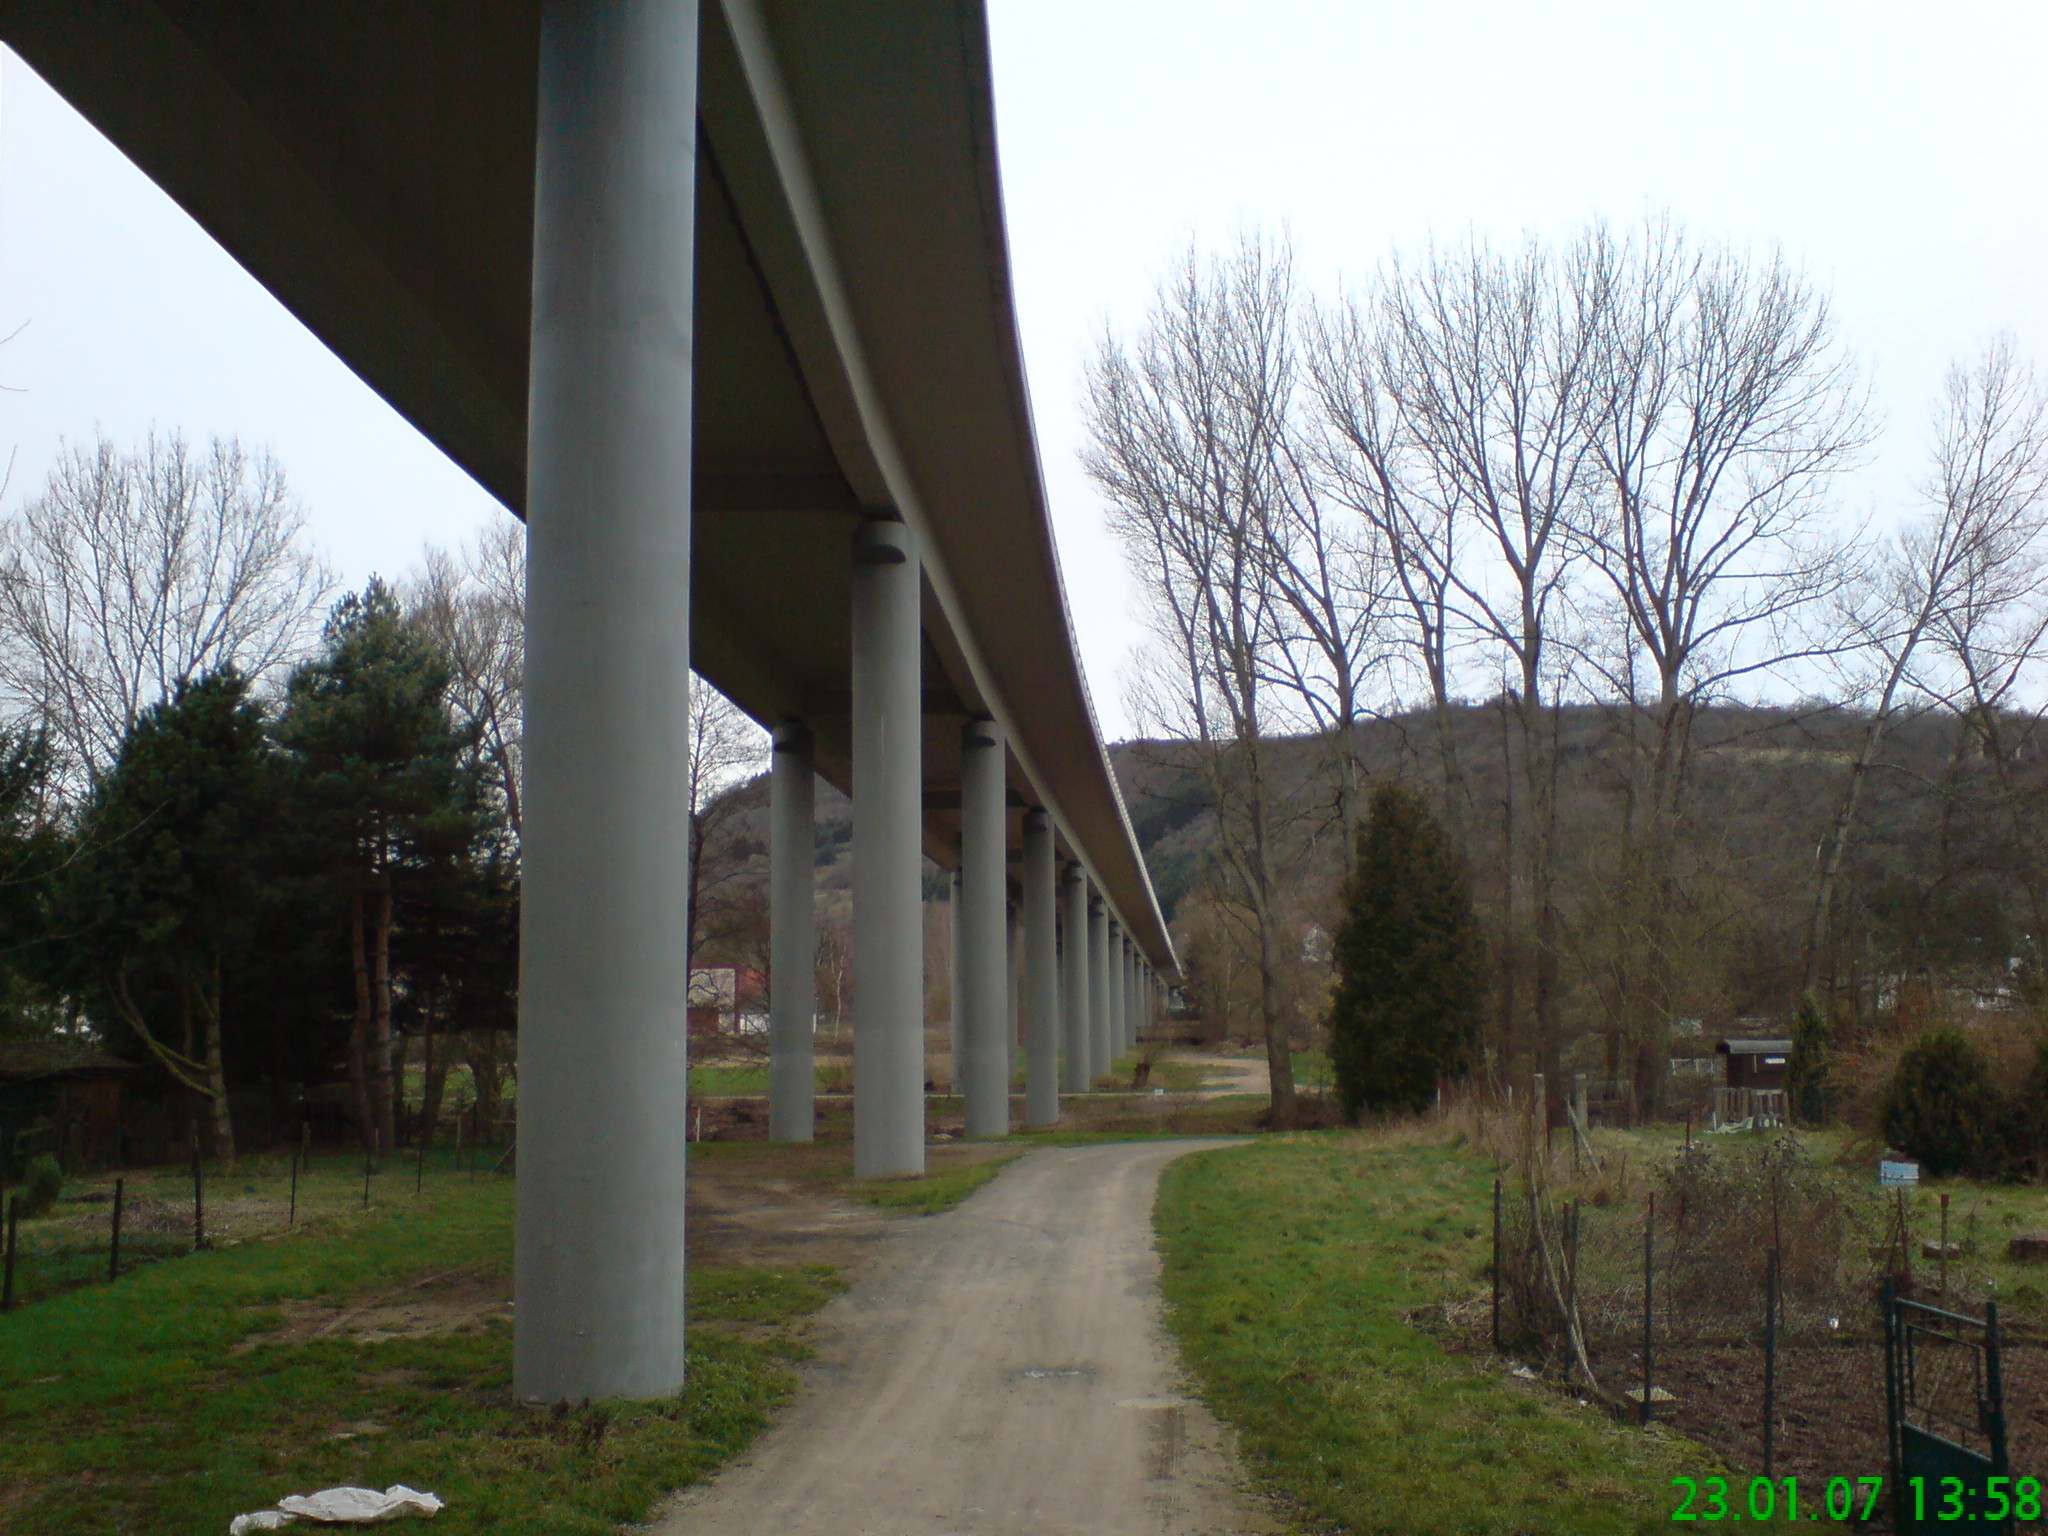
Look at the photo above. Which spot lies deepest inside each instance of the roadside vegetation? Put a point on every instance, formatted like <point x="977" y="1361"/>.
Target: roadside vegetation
<point x="375" y="1346"/>
<point x="1307" y="1280"/>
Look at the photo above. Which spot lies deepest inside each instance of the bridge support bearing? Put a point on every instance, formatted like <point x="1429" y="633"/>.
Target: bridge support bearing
<point x="888" y="854"/>
<point x="983" y="924"/>
<point x="603" y="1042"/>
<point x="1098" y="991"/>
<point x="1075" y="1034"/>
<point x="1041" y="1000"/>
<point x="792" y="936"/>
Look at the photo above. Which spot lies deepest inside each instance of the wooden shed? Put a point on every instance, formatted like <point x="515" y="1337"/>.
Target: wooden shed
<point x="61" y="1096"/>
<point x="1756" y="1063"/>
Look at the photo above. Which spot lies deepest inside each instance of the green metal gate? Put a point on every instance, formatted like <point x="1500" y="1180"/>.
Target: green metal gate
<point x="1945" y="1411"/>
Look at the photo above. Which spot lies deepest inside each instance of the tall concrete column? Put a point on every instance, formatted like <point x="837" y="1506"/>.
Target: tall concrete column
<point x="984" y="928"/>
<point x="1041" y="996"/>
<point x="792" y="936"/>
<point x="1076" y="1034"/>
<point x="959" y="1045"/>
<point x="1120" y="986"/>
<point x="1131" y="1006"/>
<point x="888" y="855"/>
<point x="1014" y="1040"/>
<point x="1114" y="979"/>
<point x="1099" y="1021"/>
<point x="603" y="992"/>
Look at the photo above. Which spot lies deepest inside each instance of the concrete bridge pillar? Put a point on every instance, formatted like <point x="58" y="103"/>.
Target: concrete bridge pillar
<point x="1134" y="974"/>
<point x="1076" y="1034"/>
<point x="888" y="811"/>
<point x="603" y="995"/>
<point x="959" y="1044"/>
<point x="1120" y="985"/>
<point x="1099" y="1024"/>
<point x="983" y="927"/>
<point x="1041" y="997"/>
<point x="792" y="936"/>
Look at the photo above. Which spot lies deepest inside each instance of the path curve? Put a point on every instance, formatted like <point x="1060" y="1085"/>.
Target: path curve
<point x="1001" y="1370"/>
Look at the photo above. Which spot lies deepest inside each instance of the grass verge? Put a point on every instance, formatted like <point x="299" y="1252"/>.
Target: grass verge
<point x="934" y="1192"/>
<point x="1297" y="1274"/>
<point x="185" y="1393"/>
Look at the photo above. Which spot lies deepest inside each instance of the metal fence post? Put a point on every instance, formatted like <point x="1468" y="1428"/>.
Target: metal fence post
<point x="1770" y="1358"/>
<point x="1994" y="1391"/>
<point x="198" y="1197"/>
<point x="114" y="1246"/>
<point x="1496" y="1264"/>
<point x="1649" y="1281"/>
<point x="13" y="1231"/>
<point x="1891" y="1398"/>
<point x="1571" y="1285"/>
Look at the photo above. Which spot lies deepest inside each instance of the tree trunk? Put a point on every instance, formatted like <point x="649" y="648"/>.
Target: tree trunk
<point x="435" y="1073"/>
<point x="1279" y="1053"/>
<point x="383" y="1094"/>
<point x="1838" y="848"/>
<point x="359" y="1029"/>
<point x="481" y="1048"/>
<point x="216" y="1074"/>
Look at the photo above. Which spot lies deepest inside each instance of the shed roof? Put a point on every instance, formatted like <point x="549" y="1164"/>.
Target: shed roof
<point x="1754" y="1047"/>
<point x="30" y="1060"/>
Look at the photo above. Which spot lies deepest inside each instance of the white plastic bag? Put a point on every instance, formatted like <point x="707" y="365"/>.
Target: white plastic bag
<point x="340" y="1506"/>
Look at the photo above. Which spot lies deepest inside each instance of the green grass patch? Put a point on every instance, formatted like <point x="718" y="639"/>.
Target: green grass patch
<point x="1293" y="1268"/>
<point x="1312" y="1069"/>
<point x="128" y="1408"/>
<point x="934" y="1192"/>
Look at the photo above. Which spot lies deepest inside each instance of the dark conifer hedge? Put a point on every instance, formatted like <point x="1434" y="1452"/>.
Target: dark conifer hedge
<point x="1406" y="1009"/>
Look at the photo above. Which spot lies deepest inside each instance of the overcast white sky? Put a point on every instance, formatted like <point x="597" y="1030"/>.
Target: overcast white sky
<point x="1898" y="149"/>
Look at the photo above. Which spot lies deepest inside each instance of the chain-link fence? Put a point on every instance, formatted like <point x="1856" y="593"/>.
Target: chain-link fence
<point x="1735" y="1293"/>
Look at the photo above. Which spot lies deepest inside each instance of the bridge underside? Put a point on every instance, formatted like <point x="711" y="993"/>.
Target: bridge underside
<point x="715" y="293"/>
<point x="372" y="165"/>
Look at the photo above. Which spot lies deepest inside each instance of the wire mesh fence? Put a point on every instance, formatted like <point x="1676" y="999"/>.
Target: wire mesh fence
<point x="105" y="1227"/>
<point x="1736" y="1295"/>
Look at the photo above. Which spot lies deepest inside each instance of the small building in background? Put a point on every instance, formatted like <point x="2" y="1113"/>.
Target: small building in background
<point x="1756" y="1063"/>
<point x="64" y="1097"/>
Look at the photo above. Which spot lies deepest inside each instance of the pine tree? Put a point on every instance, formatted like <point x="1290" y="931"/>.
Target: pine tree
<point x="1405" y="1012"/>
<point x="389" y="782"/>
<point x="1942" y="1107"/>
<point x="1808" y="1087"/>
<point x="157" y="906"/>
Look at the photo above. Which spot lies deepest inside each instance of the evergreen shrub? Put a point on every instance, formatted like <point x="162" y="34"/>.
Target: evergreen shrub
<point x="1942" y="1108"/>
<point x="1406" y="1008"/>
<point x="41" y="1184"/>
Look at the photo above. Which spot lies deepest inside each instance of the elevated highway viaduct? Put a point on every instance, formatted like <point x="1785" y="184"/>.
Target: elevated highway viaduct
<point x="715" y="294"/>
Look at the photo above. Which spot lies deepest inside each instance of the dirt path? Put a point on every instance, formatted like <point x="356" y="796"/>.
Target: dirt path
<point x="1232" y="1074"/>
<point x="999" y="1371"/>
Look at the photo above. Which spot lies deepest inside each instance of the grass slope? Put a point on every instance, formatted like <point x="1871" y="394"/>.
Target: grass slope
<point x="1292" y="1268"/>
<point x="128" y="1408"/>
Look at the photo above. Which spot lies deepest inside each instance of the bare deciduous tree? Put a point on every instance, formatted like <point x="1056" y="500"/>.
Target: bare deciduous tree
<point x="1956" y="575"/>
<point x="1367" y="457"/>
<point x="1188" y="427"/>
<point x="134" y="572"/>
<point x="1721" y="410"/>
<point x="472" y="605"/>
<point x="1489" y="359"/>
<point x="726" y="750"/>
